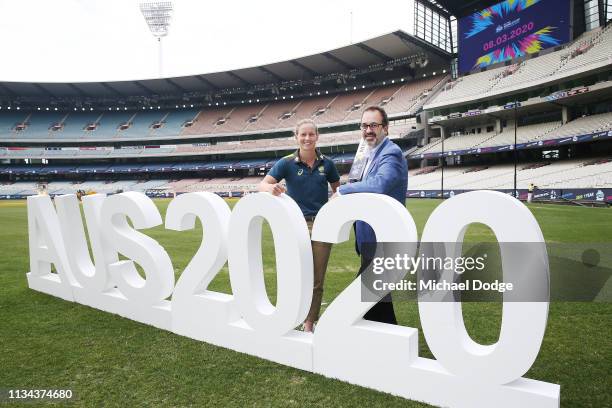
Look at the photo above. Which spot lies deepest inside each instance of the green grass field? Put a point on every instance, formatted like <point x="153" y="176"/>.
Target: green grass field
<point x="111" y="361"/>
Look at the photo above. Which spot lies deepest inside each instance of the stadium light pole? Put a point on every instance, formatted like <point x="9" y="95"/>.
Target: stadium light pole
<point x="442" y="168"/>
<point x="515" y="137"/>
<point x="157" y="14"/>
<point x="351" y="28"/>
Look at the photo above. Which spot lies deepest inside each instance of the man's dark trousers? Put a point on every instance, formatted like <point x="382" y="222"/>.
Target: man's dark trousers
<point x="383" y="310"/>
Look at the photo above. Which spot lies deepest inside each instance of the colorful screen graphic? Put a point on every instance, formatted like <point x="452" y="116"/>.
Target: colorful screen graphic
<point x="511" y="29"/>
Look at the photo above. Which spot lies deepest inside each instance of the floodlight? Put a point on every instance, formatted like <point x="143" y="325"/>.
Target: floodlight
<point x="157" y="14"/>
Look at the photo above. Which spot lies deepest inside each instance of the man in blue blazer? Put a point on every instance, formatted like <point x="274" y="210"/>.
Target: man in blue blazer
<point x="385" y="172"/>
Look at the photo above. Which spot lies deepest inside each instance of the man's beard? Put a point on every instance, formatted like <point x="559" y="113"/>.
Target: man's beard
<point x="374" y="143"/>
<point x="369" y="147"/>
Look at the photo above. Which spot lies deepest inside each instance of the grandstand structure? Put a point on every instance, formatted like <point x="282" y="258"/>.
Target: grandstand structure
<point x="212" y="132"/>
<point x="543" y="118"/>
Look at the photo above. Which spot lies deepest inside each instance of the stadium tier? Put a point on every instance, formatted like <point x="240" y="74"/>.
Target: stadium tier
<point x="397" y="129"/>
<point x="570" y="174"/>
<point x="136" y="167"/>
<point x="148" y="125"/>
<point x="594" y="173"/>
<point x="162" y="186"/>
<point x="589" y="52"/>
<point x="524" y="134"/>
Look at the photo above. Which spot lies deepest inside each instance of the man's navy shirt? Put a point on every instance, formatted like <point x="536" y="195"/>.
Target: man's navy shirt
<point x="308" y="187"/>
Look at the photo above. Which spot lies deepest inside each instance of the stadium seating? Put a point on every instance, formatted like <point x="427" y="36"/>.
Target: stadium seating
<point x="135" y="167"/>
<point x="528" y="133"/>
<point x="307" y="109"/>
<point x="180" y="185"/>
<point x="172" y="123"/>
<point x="238" y="119"/>
<point x="584" y="125"/>
<point x="561" y="174"/>
<point x="412" y="96"/>
<point x="206" y="121"/>
<point x="149" y="124"/>
<point x="248" y="163"/>
<point x="270" y="116"/>
<point x="457" y="142"/>
<point x="74" y="127"/>
<point x="396" y="130"/>
<point x="8" y="120"/>
<point x="373" y="98"/>
<point x="147" y="185"/>
<point x="577" y="173"/>
<point x="524" y="134"/>
<point x="467" y="86"/>
<point x="223" y="185"/>
<point x="549" y="67"/>
<point x="342" y="106"/>
<point x="21" y="187"/>
<point x="91" y="168"/>
<point x="107" y="126"/>
<point x="65" y="187"/>
<point x="248" y="123"/>
<point x="40" y="123"/>
<point x="140" y="124"/>
<point x="219" y="185"/>
<point x="598" y="44"/>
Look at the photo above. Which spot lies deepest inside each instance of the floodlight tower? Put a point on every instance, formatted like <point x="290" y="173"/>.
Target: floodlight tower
<point x="157" y="14"/>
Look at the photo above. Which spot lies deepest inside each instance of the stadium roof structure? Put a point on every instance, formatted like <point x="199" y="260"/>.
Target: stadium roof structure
<point x="382" y="50"/>
<point x="460" y="8"/>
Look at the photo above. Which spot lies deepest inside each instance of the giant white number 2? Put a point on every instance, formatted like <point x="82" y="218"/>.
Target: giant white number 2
<point x="196" y="311"/>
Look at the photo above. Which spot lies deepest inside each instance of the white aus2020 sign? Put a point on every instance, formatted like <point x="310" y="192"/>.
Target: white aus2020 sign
<point x="344" y="346"/>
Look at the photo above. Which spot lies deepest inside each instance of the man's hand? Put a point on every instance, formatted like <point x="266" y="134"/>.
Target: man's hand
<point x="334" y="196"/>
<point x="275" y="189"/>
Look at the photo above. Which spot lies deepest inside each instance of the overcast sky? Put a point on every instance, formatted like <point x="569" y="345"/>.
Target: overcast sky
<point x="104" y="40"/>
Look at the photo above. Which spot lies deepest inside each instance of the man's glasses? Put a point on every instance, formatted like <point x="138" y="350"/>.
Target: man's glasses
<point x="373" y="126"/>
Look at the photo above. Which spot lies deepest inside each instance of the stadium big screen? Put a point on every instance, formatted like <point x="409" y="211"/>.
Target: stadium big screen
<point x="511" y="29"/>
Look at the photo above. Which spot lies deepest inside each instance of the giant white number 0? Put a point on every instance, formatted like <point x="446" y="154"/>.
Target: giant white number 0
<point x="345" y="346"/>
